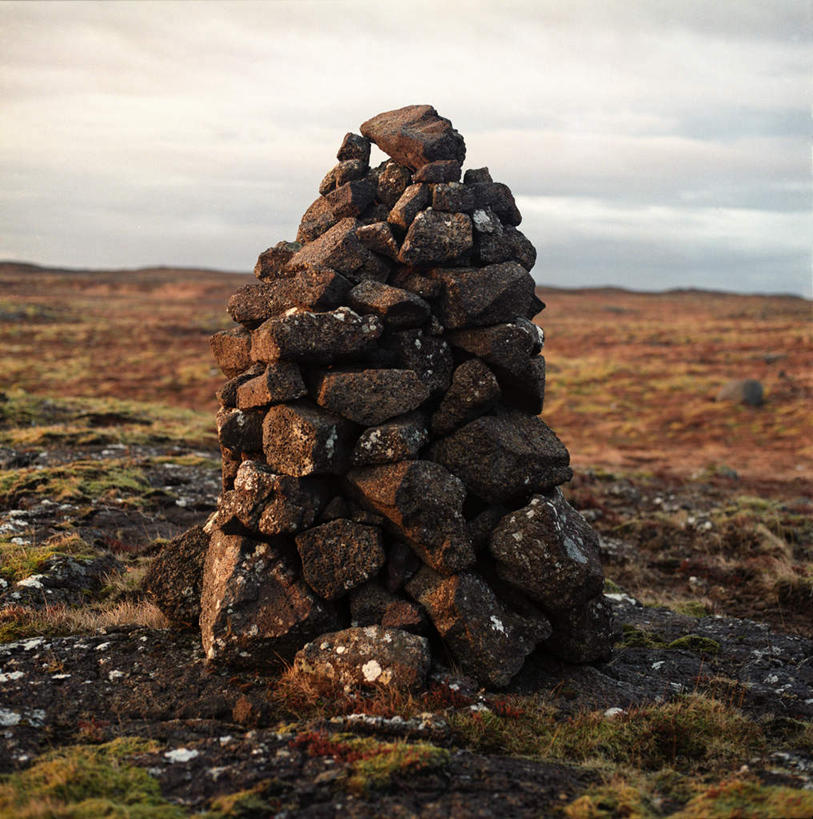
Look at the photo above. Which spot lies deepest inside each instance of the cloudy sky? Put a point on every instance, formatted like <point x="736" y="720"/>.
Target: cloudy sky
<point x="650" y="143"/>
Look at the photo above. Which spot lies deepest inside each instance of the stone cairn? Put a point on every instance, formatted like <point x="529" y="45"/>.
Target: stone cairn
<point x="390" y="493"/>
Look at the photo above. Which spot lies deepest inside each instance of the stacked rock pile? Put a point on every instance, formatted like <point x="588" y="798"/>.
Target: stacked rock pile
<point x="388" y="486"/>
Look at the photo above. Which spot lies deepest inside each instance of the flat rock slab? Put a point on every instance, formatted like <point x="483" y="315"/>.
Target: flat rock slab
<point x="397" y="308"/>
<point x="488" y="642"/>
<point x="549" y="551"/>
<point x="301" y="439"/>
<point x="339" y="555"/>
<point x="398" y="440"/>
<point x="278" y="383"/>
<point x="424" y="502"/>
<point x="477" y="297"/>
<point x="255" y="612"/>
<point x="370" y="397"/>
<point x="300" y="335"/>
<point x="523" y="455"/>
<point x="369" y="656"/>
<point x="415" y="135"/>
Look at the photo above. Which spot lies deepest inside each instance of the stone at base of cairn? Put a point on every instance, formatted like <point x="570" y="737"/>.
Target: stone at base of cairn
<point x="387" y="483"/>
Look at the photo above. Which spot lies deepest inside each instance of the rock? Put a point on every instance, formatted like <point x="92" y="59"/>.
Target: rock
<point x="499" y="198"/>
<point x="398" y="440"/>
<point x="424" y="503"/>
<point x="442" y="170"/>
<point x="368" y="657"/>
<point x="474" y="391"/>
<point x="397" y="308"/>
<point x="430" y="357"/>
<point x="548" y="550"/>
<point x="230" y="463"/>
<point x="402" y="564"/>
<point x="316" y="221"/>
<point x="239" y="431"/>
<point x="175" y="577"/>
<point x="523" y="454"/>
<point x="279" y="382"/>
<point x="453" y="197"/>
<point x="254" y="610"/>
<point x="746" y="391"/>
<point x="354" y="146"/>
<point x="393" y="180"/>
<point x="435" y="237"/>
<point x="476" y="297"/>
<point x="271" y="504"/>
<point x="368" y="603"/>
<point x="526" y="391"/>
<point x="485" y="221"/>
<point x="413" y="200"/>
<point x="415" y="135"/>
<point x="299" y="335"/>
<point x="503" y="244"/>
<point x="271" y="263"/>
<point x="339" y="249"/>
<point x="301" y="439"/>
<point x="474" y="176"/>
<point x="507" y="348"/>
<point x="227" y="394"/>
<point x="310" y="289"/>
<point x="483" y="524"/>
<point x="370" y="397"/>
<point x="339" y="555"/>
<point x="585" y="634"/>
<point x="404" y="615"/>
<point x="348" y="170"/>
<point x="486" y="640"/>
<point x="378" y="237"/>
<point x="232" y="350"/>
<point x="351" y="198"/>
<point x="408" y="278"/>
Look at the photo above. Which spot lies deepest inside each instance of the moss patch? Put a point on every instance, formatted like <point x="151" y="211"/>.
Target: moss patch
<point x="751" y="799"/>
<point x="87" y="781"/>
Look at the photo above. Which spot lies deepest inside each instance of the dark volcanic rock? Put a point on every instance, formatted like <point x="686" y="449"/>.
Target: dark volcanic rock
<point x="239" y="431"/>
<point x="254" y="610"/>
<point x="413" y="200"/>
<point x="393" y="180"/>
<point x="746" y="391"/>
<point x="506" y="348"/>
<point x="271" y="263"/>
<point x="523" y="454"/>
<point x="398" y="440"/>
<point x="299" y="335"/>
<point x="279" y="382"/>
<point x="548" y="550"/>
<point x="301" y="439"/>
<point x="339" y="555"/>
<point x="415" y="135"/>
<point x="583" y="634"/>
<point x="370" y="397"/>
<point x="474" y="176"/>
<point x="442" y="170"/>
<point x="378" y="237"/>
<point x="354" y="146"/>
<point x="476" y="297"/>
<point x="351" y="198"/>
<point x="474" y="391"/>
<point x="499" y="198"/>
<point x="263" y="501"/>
<point x="316" y="221"/>
<point x="435" y="237"/>
<point x="346" y="171"/>
<point x="232" y="350"/>
<point x="424" y="503"/>
<point x="370" y="656"/>
<point x="488" y="642"/>
<point x="174" y="580"/>
<point x="430" y="357"/>
<point x="454" y="197"/>
<point x="227" y="394"/>
<point x="397" y="308"/>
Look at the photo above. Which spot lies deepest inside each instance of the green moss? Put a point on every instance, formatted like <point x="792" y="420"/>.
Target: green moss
<point x="751" y="799"/>
<point x="87" y="781"/>
<point x="18" y="561"/>
<point x="696" y="644"/>
<point x="633" y="637"/>
<point x="692" y="608"/>
<point x="246" y="803"/>
<point x="384" y="760"/>
<point x="617" y="799"/>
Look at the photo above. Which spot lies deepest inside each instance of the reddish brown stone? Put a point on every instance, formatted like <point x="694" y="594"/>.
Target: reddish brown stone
<point x="339" y="555"/>
<point x="354" y="146"/>
<point x="397" y="308"/>
<point x="232" y="350"/>
<point x="424" y="502"/>
<point x="316" y="220"/>
<point x="301" y="439"/>
<point x="393" y="180"/>
<point x="271" y="263"/>
<point x="378" y="237"/>
<point x="415" y="135"/>
<point x="351" y="198"/>
<point x="414" y="199"/>
<point x="442" y="170"/>
<point x="280" y="382"/>
<point x="346" y="171"/>
<point x="227" y="394"/>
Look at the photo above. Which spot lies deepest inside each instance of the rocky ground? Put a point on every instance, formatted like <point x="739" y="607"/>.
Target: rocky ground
<point x="695" y="708"/>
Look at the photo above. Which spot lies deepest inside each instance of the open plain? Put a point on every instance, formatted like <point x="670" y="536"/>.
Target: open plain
<point x="107" y="449"/>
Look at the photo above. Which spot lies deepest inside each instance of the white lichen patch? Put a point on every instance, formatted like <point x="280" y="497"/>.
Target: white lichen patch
<point x="32" y="582"/>
<point x="496" y="624"/>
<point x="9" y="718"/>
<point x="181" y="755"/>
<point x="10" y="676"/>
<point x="371" y="670"/>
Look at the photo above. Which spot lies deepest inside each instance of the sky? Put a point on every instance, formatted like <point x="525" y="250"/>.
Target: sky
<point x="651" y="144"/>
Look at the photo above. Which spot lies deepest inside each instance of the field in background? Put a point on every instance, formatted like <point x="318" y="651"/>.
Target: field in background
<point x="631" y="377"/>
